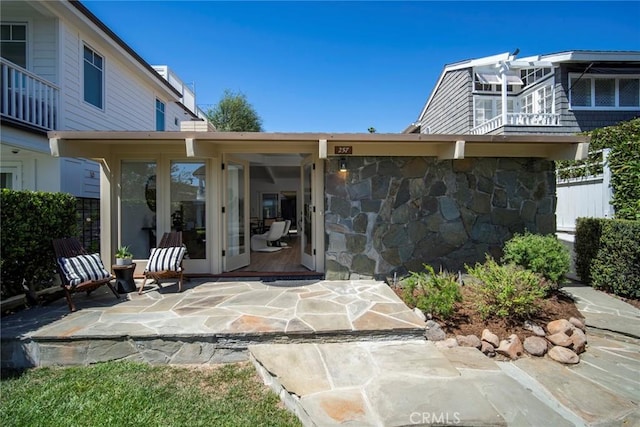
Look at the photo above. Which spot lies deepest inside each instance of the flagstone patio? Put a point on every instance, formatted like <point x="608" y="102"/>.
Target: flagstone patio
<point x="210" y="322"/>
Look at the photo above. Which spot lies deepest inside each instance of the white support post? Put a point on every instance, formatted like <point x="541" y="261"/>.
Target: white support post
<point x="607" y="191"/>
<point x="322" y="148"/>
<point x="503" y="94"/>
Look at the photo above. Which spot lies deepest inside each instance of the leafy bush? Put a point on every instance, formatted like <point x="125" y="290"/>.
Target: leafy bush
<point x="586" y="245"/>
<point x="30" y="220"/>
<point x="616" y="267"/>
<point x="432" y="293"/>
<point x="544" y="255"/>
<point x="506" y="290"/>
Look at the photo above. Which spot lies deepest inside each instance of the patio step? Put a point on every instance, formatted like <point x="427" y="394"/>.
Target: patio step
<point x="210" y="322"/>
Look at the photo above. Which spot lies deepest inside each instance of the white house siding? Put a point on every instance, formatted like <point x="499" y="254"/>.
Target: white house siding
<point x="451" y="109"/>
<point x="172" y="112"/>
<point x="129" y="100"/>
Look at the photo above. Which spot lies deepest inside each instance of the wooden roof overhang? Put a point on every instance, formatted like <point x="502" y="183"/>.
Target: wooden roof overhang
<point x="104" y="144"/>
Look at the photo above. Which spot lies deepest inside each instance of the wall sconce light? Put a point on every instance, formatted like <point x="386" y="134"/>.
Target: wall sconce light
<point x="343" y="164"/>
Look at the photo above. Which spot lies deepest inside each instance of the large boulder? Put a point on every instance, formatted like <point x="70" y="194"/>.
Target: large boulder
<point x="564" y="355"/>
<point x="490" y="337"/>
<point x="560" y="325"/>
<point x="535" y="346"/>
<point x="469" y="341"/>
<point x="578" y="341"/>
<point x="511" y="347"/>
<point x="560" y="338"/>
<point x="433" y="331"/>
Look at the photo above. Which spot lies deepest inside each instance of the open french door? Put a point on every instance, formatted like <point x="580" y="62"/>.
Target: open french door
<point x="307" y="215"/>
<point x="235" y="212"/>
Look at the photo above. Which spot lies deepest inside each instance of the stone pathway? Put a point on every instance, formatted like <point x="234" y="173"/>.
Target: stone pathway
<point x="209" y="322"/>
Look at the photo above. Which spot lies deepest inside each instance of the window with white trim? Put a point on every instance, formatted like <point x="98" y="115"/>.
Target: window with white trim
<point x="486" y="108"/>
<point x="93" y="77"/>
<point x="159" y="115"/>
<point x="539" y="101"/>
<point x="602" y="92"/>
<point x="13" y="43"/>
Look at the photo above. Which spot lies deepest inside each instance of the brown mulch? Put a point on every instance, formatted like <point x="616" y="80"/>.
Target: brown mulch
<point x="467" y="321"/>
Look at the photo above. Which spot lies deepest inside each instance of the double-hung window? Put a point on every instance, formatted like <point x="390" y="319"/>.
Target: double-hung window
<point x="13" y="43"/>
<point x="603" y="92"/>
<point x="93" y="77"/>
<point x="159" y="115"/>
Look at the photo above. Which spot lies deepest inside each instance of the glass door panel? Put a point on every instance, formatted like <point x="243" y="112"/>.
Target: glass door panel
<point x="307" y="215"/>
<point x="236" y="214"/>
<point x="138" y="207"/>
<point x="188" y="206"/>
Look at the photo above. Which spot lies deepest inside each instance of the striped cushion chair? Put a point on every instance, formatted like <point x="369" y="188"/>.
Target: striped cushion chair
<point x="165" y="261"/>
<point x="79" y="271"/>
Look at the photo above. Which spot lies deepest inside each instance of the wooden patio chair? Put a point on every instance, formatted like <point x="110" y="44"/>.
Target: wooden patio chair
<point x="165" y="261"/>
<point x="79" y="271"/>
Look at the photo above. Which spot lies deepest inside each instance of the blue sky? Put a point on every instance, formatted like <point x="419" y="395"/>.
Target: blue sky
<point x="346" y="66"/>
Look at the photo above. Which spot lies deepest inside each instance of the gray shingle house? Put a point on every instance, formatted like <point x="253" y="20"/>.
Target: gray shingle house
<point x="557" y="93"/>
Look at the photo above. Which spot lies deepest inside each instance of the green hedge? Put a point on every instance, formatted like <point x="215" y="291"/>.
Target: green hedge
<point x="29" y="221"/>
<point x="608" y="255"/>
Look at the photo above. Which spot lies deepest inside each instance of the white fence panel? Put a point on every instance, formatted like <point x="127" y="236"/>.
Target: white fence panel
<point x="588" y="196"/>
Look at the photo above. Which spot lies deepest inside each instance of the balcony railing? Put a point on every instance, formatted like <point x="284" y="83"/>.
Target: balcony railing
<point x="517" y="119"/>
<point x="27" y="98"/>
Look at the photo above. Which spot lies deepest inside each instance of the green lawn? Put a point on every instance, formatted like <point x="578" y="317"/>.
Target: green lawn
<point x="134" y="394"/>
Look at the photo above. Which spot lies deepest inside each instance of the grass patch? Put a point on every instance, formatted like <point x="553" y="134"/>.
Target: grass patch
<point x="127" y="393"/>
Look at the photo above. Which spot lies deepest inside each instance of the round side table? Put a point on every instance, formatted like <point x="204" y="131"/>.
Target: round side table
<point x="124" y="277"/>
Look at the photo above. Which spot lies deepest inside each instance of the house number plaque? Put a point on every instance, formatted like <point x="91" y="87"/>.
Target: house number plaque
<point x="344" y="149"/>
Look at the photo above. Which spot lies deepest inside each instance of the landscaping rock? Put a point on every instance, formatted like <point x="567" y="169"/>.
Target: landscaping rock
<point x="537" y="330"/>
<point x="448" y="343"/>
<point x="561" y="339"/>
<point x="434" y="332"/>
<point x="420" y="314"/>
<point x="560" y="325"/>
<point x="511" y="347"/>
<point x="577" y="323"/>
<point x="535" y="346"/>
<point x="564" y="355"/>
<point x="491" y="338"/>
<point x="469" y="341"/>
<point x="578" y="341"/>
<point x="487" y="349"/>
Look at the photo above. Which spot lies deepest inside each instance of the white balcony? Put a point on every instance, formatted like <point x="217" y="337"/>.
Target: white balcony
<point x="517" y="119"/>
<point x="26" y="98"/>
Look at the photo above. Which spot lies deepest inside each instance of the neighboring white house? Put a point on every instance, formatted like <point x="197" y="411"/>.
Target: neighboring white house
<point x="63" y="69"/>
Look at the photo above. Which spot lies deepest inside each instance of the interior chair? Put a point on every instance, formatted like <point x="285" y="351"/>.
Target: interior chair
<point x="166" y="259"/>
<point x="260" y="242"/>
<point x="285" y="233"/>
<point x="79" y="271"/>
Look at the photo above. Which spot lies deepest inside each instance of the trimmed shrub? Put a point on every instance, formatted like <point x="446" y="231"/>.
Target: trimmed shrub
<point x="432" y="293"/>
<point x="507" y="291"/>
<point x="616" y="267"/>
<point x="30" y="220"/>
<point x="544" y="255"/>
<point x="586" y="245"/>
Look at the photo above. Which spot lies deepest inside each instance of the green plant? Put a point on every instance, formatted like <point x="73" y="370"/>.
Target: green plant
<point x="124" y="252"/>
<point x="507" y="291"/>
<point x="545" y="255"/>
<point x="30" y="220"/>
<point x="616" y="266"/>
<point x="432" y="293"/>
<point x="587" y="243"/>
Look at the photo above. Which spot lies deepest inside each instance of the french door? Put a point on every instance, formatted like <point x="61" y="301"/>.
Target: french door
<point x="235" y="211"/>
<point x="307" y="215"/>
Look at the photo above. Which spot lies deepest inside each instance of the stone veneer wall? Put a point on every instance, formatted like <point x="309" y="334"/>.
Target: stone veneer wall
<point x="389" y="215"/>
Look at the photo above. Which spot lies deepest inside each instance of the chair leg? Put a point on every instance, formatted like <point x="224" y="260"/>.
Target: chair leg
<point x="144" y="282"/>
<point x="67" y="294"/>
<point x="180" y="283"/>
